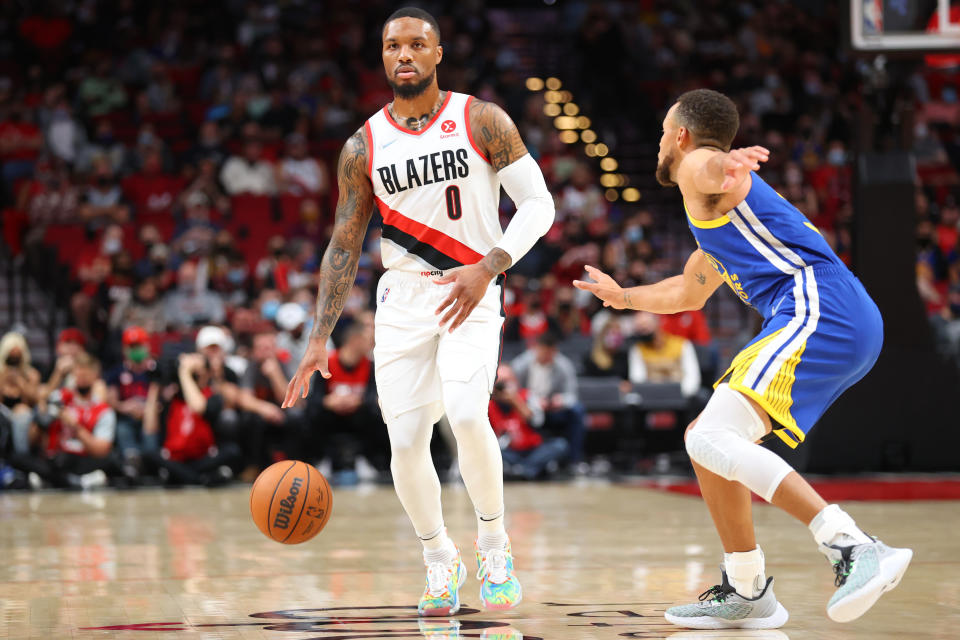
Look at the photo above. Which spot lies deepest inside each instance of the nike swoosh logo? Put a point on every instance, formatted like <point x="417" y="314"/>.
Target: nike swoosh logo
<point x="387" y="144"/>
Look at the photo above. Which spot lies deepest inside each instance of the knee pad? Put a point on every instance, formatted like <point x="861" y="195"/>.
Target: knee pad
<point x="723" y="442"/>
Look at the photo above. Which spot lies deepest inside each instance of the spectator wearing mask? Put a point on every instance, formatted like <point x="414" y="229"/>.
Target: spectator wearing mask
<point x="80" y="434"/>
<point x="143" y="309"/>
<point x="344" y="408"/>
<point x="190" y="453"/>
<point x="71" y="344"/>
<point x="512" y="416"/>
<point x="20" y="387"/>
<point x="658" y="356"/>
<point x="103" y="201"/>
<point x="127" y="387"/>
<point x="191" y="303"/>
<point x="607" y="356"/>
<point x="248" y="173"/>
<point x="552" y="381"/>
<point x="294" y="334"/>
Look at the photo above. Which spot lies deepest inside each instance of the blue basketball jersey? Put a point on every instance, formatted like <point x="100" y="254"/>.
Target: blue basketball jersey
<point x="762" y="247"/>
<point x="821" y="331"/>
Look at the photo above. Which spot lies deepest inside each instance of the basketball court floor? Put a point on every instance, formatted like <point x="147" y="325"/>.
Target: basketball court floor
<point x="598" y="561"/>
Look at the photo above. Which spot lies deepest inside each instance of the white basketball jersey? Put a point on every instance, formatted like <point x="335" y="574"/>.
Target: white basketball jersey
<point x="436" y="191"/>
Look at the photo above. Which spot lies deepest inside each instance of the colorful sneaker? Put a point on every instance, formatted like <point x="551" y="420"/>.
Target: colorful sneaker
<point x="864" y="572"/>
<point x="441" y="596"/>
<point x="499" y="588"/>
<point x="501" y="633"/>
<point x="440" y="629"/>
<point x="721" y="607"/>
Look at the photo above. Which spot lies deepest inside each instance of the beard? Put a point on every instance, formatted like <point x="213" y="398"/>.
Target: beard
<point x="407" y="91"/>
<point x="663" y="171"/>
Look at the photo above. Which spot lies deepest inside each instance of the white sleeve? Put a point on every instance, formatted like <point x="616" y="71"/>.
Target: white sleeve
<point x="691" y="370"/>
<point x="523" y="182"/>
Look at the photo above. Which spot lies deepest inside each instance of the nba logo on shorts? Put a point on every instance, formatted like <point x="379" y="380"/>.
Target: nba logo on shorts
<point x="383" y="298"/>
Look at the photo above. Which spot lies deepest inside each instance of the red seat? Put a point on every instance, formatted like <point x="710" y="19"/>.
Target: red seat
<point x="248" y="207"/>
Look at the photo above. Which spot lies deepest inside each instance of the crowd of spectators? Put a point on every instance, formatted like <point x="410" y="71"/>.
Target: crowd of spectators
<point x="178" y="158"/>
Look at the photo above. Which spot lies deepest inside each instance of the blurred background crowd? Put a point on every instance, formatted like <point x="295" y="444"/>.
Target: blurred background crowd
<point x="168" y="182"/>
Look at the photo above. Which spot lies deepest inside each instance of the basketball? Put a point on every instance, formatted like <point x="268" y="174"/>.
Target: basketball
<point x="290" y="502"/>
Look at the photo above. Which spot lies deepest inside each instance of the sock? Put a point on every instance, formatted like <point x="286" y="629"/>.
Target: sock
<point x="438" y="547"/>
<point x="834" y="526"/>
<point x="746" y="572"/>
<point x="490" y="531"/>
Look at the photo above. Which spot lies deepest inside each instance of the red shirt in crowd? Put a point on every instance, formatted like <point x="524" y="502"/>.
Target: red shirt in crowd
<point x="691" y="325"/>
<point x="189" y="435"/>
<point x="90" y="416"/>
<point x="20" y="134"/>
<point x="507" y="420"/>
<point x="354" y="379"/>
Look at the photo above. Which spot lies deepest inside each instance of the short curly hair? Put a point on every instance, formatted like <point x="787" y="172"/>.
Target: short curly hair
<point x="710" y="116"/>
<point x="414" y="12"/>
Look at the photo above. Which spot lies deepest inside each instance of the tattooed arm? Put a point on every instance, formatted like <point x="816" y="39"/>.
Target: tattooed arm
<point x="684" y="292"/>
<point x="522" y="179"/>
<point x="339" y="266"/>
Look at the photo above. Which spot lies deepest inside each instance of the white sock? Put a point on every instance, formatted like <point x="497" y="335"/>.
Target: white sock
<point x="746" y="572"/>
<point x="834" y="526"/>
<point x="438" y="547"/>
<point x="490" y="531"/>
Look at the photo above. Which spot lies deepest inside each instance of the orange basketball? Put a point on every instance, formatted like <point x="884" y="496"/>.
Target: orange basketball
<point x="290" y="501"/>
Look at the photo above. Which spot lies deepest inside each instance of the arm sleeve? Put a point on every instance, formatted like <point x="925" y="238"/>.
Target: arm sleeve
<point x="523" y="182"/>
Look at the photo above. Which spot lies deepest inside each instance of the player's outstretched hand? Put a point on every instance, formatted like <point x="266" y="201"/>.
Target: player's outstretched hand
<point x="469" y="286"/>
<point x="315" y="359"/>
<point x="604" y="288"/>
<point x="739" y="162"/>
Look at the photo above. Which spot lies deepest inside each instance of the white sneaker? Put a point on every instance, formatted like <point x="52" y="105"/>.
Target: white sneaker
<point x="366" y="472"/>
<point x="721" y="607"/>
<point x="864" y="573"/>
<point x="93" y="480"/>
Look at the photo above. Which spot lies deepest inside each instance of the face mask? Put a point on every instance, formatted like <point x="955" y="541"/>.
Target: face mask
<point x="644" y="338"/>
<point x="269" y="309"/>
<point x="236" y="276"/>
<point x="14" y="361"/>
<point x="634" y="234"/>
<point x="103" y="180"/>
<point x="112" y="246"/>
<point x="137" y="355"/>
<point x="837" y="157"/>
<point x="11" y="401"/>
<point x="84" y="390"/>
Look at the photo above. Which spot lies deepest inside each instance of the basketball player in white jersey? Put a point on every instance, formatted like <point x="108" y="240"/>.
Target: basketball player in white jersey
<point x="432" y="162"/>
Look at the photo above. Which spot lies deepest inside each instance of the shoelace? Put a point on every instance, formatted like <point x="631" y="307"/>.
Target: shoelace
<point x="494" y="566"/>
<point x="716" y="592"/>
<point x="843" y="566"/>
<point x="438" y="578"/>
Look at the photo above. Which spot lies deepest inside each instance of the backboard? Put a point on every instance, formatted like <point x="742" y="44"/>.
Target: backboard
<point x="905" y="25"/>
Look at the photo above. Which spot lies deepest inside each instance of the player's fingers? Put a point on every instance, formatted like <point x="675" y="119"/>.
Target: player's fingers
<point x="580" y="284"/>
<point x="324" y="369"/>
<point x="727" y="183"/>
<point x="292" y="391"/>
<point x="450" y="299"/>
<point x="462" y="316"/>
<point x="454" y="310"/>
<point x="446" y="279"/>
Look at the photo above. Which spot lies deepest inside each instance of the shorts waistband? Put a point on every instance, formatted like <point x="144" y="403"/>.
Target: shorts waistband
<point x="413" y="278"/>
<point x="831" y="270"/>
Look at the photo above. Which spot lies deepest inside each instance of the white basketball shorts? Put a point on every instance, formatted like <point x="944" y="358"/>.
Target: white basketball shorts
<point x="414" y="355"/>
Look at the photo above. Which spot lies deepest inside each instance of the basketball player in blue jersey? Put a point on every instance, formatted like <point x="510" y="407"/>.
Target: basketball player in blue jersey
<point x="432" y="162"/>
<point x="821" y="334"/>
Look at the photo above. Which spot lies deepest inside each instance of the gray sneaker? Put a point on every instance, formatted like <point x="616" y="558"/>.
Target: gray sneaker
<point x="864" y="572"/>
<point x="721" y="607"/>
